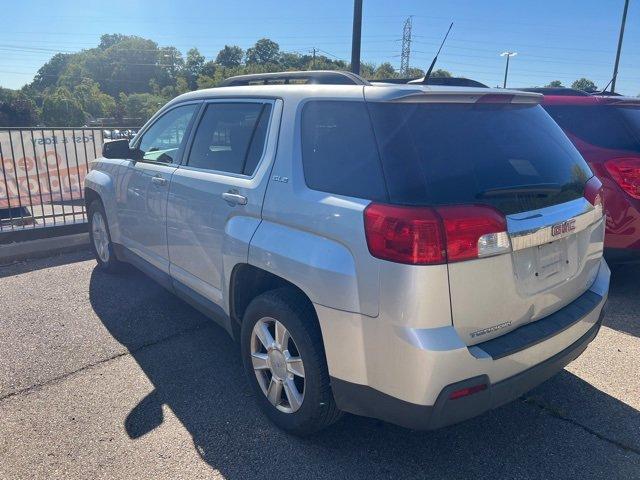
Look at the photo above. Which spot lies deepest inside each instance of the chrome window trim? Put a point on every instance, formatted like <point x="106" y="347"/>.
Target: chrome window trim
<point x="534" y="228"/>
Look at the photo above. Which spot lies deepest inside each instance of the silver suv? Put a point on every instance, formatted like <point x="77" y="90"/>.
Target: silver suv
<point x="411" y="253"/>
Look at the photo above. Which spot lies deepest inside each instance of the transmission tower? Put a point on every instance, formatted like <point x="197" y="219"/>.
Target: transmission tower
<point x="406" y="47"/>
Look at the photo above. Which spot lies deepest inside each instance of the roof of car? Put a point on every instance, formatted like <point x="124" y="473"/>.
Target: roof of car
<point x="374" y="92"/>
<point x="298" y="85"/>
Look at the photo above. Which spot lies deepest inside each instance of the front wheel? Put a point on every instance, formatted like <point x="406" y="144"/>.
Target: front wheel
<point x="101" y="239"/>
<point x="284" y="358"/>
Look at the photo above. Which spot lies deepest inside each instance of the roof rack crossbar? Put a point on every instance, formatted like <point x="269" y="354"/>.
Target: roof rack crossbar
<point x="316" y="77"/>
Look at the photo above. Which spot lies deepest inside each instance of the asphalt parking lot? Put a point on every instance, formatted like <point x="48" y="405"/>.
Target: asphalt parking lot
<point x="113" y="377"/>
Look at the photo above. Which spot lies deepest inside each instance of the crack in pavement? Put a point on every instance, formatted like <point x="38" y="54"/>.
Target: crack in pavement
<point x="102" y="361"/>
<point x="557" y="414"/>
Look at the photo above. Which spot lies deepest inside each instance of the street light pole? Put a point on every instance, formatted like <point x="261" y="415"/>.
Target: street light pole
<point x="615" y="68"/>
<point x="506" y="68"/>
<point x="356" y="36"/>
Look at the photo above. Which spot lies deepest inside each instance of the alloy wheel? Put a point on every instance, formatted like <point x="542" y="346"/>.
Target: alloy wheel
<point x="277" y="365"/>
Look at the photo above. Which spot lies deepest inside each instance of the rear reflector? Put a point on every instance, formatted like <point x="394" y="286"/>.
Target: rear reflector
<point x="431" y="236"/>
<point x="626" y="173"/>
<point x="465" y="392"/>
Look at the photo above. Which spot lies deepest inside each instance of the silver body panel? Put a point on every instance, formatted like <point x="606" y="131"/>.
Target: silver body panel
<point x="403" y="330"/>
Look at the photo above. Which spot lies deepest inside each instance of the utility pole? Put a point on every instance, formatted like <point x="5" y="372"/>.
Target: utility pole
<point x="313" y="63"/>
<point x="406" y="47"/>
<point x="615" y="68"/>
<point x="506" y="69"/>
<point x="356" y="38"/>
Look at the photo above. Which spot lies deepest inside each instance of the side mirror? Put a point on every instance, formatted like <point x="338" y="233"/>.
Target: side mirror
<point x="119" y="149"/>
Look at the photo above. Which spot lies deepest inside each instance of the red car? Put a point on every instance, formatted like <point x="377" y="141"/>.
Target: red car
<point x="606" y="131"/>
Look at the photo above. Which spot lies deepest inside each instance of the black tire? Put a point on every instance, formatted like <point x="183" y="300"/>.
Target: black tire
<point x="111" y="264"/>
<point x="318" y="409"/>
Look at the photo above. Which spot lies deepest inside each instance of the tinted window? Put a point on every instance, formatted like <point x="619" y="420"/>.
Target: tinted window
<point x="339" y="153"/>
<point x="162" y="141"/>
<point x="230" y="137"/>
<point x="600" y="125"/>
<point x="509" y="156"/>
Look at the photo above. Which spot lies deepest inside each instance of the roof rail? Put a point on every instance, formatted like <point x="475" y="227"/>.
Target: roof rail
<point x="559" y="91"/>
<point x="441" y="81"/>
<point x="315" y="77"/>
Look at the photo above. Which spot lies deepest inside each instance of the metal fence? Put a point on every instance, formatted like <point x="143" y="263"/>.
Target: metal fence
<point x="42" y="174"/>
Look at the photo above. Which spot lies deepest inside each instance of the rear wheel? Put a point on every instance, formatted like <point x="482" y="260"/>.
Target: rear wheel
<point x="283" y="356"/>
<point x="101" y="239"/>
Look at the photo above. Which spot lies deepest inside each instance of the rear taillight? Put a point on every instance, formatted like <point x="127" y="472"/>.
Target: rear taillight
<point x="404" y="234"/>
<point x="473" y="232"/>
<point x="428" y="236"/>
<point x="626" y="173"/>
<point x="593" y="193"/>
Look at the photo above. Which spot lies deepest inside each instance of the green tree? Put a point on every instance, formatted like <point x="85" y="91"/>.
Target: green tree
<point x="16" y="109"/>
<point x="94" y="102"/>
<point x="230" y="56"/>
<point x="415" y="72"/>
<point x="554" y="84"/>
<point x="384" y="70"/>
<point x="193" y="67"/>
<point x="585" y="84"/>
<point x="440" y="73"/>
<point x="62" y="109"/>
<point x="263" y="52"/>
<point x="141" y="105"/>
<point x="50" y="72"/>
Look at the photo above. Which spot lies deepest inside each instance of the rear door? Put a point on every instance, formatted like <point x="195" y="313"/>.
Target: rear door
<point x="216" y="195"/>
<point x="514" y="158"/>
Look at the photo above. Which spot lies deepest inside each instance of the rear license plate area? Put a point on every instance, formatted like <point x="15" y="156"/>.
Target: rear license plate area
<point x="551" y="260"/>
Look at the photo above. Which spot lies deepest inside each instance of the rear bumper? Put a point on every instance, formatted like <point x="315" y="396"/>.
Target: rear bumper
<point x="366" y="401"/>
<point x="406" y="375"/>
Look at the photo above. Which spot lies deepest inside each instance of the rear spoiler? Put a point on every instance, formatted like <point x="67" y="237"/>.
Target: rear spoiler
<point x="428" y="94"/>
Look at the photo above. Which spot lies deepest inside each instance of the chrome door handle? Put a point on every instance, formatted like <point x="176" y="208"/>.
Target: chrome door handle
<point x="234" y="198"/>
<point x="158" y="180"/>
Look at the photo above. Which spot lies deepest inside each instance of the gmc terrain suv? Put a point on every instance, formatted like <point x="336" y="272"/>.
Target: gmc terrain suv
<point x="411" y="253"/>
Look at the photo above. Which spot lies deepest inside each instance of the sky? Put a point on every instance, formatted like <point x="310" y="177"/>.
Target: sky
<point x="554" y="40"/>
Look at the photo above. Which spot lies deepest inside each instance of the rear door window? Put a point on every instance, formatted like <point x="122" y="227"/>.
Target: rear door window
<point x="230" y="137"/>
<point x="603" y="126"/>
<point x="339" y="153"/>
<point x="513" y="157"/>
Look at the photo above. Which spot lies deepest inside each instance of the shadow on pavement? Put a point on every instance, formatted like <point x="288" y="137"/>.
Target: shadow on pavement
<point x="198" y="375"/>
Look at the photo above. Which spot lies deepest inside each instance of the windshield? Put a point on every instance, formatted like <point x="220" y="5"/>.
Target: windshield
<point x="512" y="157"/>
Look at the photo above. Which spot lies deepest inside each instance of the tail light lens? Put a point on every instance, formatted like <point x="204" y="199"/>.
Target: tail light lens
<point x="473" y="232"/>
<point x="429" y="236"/>
<point x="593" y="193"/>
<point x="626" y="173"/>
<point x="404" y="234"/>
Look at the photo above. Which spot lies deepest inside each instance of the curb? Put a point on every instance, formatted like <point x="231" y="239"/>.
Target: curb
<point x="42" y="247"/>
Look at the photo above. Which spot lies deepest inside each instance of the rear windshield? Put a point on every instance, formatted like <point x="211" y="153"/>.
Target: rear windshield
<point x="513" y="157"/>
<point x="604" y="126"/>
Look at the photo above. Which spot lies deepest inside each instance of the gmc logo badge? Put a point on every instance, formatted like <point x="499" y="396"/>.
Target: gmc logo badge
<point x="564" y="227"/>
